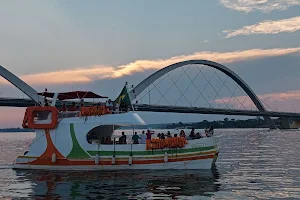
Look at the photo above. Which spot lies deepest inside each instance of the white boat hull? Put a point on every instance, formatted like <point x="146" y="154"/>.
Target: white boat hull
<point x="67" y="148"/>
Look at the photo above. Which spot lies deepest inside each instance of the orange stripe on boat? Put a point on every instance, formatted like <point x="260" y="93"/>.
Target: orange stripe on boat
<point x="66" y="162"/>
<point x="47" y="155"/>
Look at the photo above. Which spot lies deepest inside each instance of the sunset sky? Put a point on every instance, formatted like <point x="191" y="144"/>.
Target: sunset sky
<point x="99" y="45"/>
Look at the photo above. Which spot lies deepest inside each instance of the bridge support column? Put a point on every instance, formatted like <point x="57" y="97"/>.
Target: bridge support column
<point x="288" y="123"/>
<point x="270" y="122"/>
<point x="285" y="123"/>
<point x="295" y="124"/>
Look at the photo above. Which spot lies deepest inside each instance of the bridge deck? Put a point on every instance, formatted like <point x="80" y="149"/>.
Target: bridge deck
<point x="198" y="110"/>
<point x="9" y="102"/>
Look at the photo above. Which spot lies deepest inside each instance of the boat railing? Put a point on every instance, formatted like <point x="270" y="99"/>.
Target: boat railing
<point x="118" y="111"/>
<point x="99" y="110"/>
<point x="68" y="114"/>
<point x="88" y="111"/>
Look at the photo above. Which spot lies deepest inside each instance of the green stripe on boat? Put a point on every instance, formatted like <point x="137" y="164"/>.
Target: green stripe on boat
<point x="150" y="152"/>
<point x="77" y="151"/>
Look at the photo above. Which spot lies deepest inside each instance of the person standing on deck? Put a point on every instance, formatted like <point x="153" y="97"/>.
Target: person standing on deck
<point x="135" y="138"/>
<point x="123" y="139"/>
<point x="81" y="104"/>
<point x="192" y="134"/>
<point x="182" y="133"/>
<point x="149" y="134"/>
<point x="169" y="134"/>
<point x="109" y="104"/>
<point x="46" y="101"/>
<point x="143" y="138"/>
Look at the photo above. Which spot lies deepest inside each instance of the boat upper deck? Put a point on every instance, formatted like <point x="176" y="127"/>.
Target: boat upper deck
<point x="78" y="107"/>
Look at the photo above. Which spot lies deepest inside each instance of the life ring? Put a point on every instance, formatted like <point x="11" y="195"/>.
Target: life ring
<point x="30" y="114"/>
<point x="25" y="120"/>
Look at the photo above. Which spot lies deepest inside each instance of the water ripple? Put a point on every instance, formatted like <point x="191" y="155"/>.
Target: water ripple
<point x="253" y="164"/>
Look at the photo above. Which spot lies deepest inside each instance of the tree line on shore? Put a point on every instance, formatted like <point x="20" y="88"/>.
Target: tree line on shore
<point x="226" y="123"/>
<point x="10" y="130"/>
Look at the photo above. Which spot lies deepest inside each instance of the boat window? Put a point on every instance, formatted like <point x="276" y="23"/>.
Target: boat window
<point x="92" y="136"/>
<point x="41" y="115"/>
<point x="99" y="134"/>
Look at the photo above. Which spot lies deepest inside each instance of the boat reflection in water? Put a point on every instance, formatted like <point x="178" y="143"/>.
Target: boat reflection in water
<point x="120" y="184"/>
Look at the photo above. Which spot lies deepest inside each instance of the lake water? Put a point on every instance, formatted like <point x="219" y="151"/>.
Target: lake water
<point x="252" y="164"/>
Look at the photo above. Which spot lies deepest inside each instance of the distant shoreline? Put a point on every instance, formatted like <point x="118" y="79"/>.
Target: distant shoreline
<point x="15" y="130"/>
<point x="221" y="124"/>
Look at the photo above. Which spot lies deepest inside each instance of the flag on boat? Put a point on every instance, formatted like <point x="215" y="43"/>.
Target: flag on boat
<point x="123" y="98"/>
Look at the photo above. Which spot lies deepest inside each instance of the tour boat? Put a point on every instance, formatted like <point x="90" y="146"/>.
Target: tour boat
<point x="72" y="140"/>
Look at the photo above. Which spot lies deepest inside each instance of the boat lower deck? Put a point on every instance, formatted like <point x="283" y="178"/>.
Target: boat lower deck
<point x="197" y="162"/>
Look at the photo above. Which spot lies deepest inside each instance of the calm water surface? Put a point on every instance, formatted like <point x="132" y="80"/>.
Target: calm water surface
<point x="253" y="164"/>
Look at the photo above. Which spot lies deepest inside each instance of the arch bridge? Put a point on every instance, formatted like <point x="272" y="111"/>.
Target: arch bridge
<point x="188" y="97"/>
<point x="137" y="90"/>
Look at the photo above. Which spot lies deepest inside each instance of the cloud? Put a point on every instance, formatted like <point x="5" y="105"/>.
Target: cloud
<point x="267" y="27"/>
<point x="83" y="75"/>
<point x="269" y="100"/>
<point x="89" y="74"/>
<point x="261" y="5"/>
<point x="227" y="57"/>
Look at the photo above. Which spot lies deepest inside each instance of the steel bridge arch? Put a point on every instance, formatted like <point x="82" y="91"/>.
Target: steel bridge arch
<point x="21" y="85"/>
<point x="148" y="81"/>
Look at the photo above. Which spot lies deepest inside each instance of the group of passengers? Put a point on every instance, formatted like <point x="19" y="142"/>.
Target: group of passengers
<point x="109" y="104"/>
<point x="137" y="139"/>
<point x="112" y="106"/>
<point x="108" y="140"/>
<point x="164" y="136"/>
<point x="191" y="136"/>
<point x="122" y="139"/>
<point x="141" y="139"/>
<point x="194" y="135"/>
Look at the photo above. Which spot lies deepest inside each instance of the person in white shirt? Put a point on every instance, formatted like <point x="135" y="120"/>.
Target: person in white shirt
<point x="109" y="104"/>
<point x="143" y="138"/>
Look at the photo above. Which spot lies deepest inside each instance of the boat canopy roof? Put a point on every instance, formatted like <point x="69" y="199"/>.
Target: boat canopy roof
<point x="72" y="95"/>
